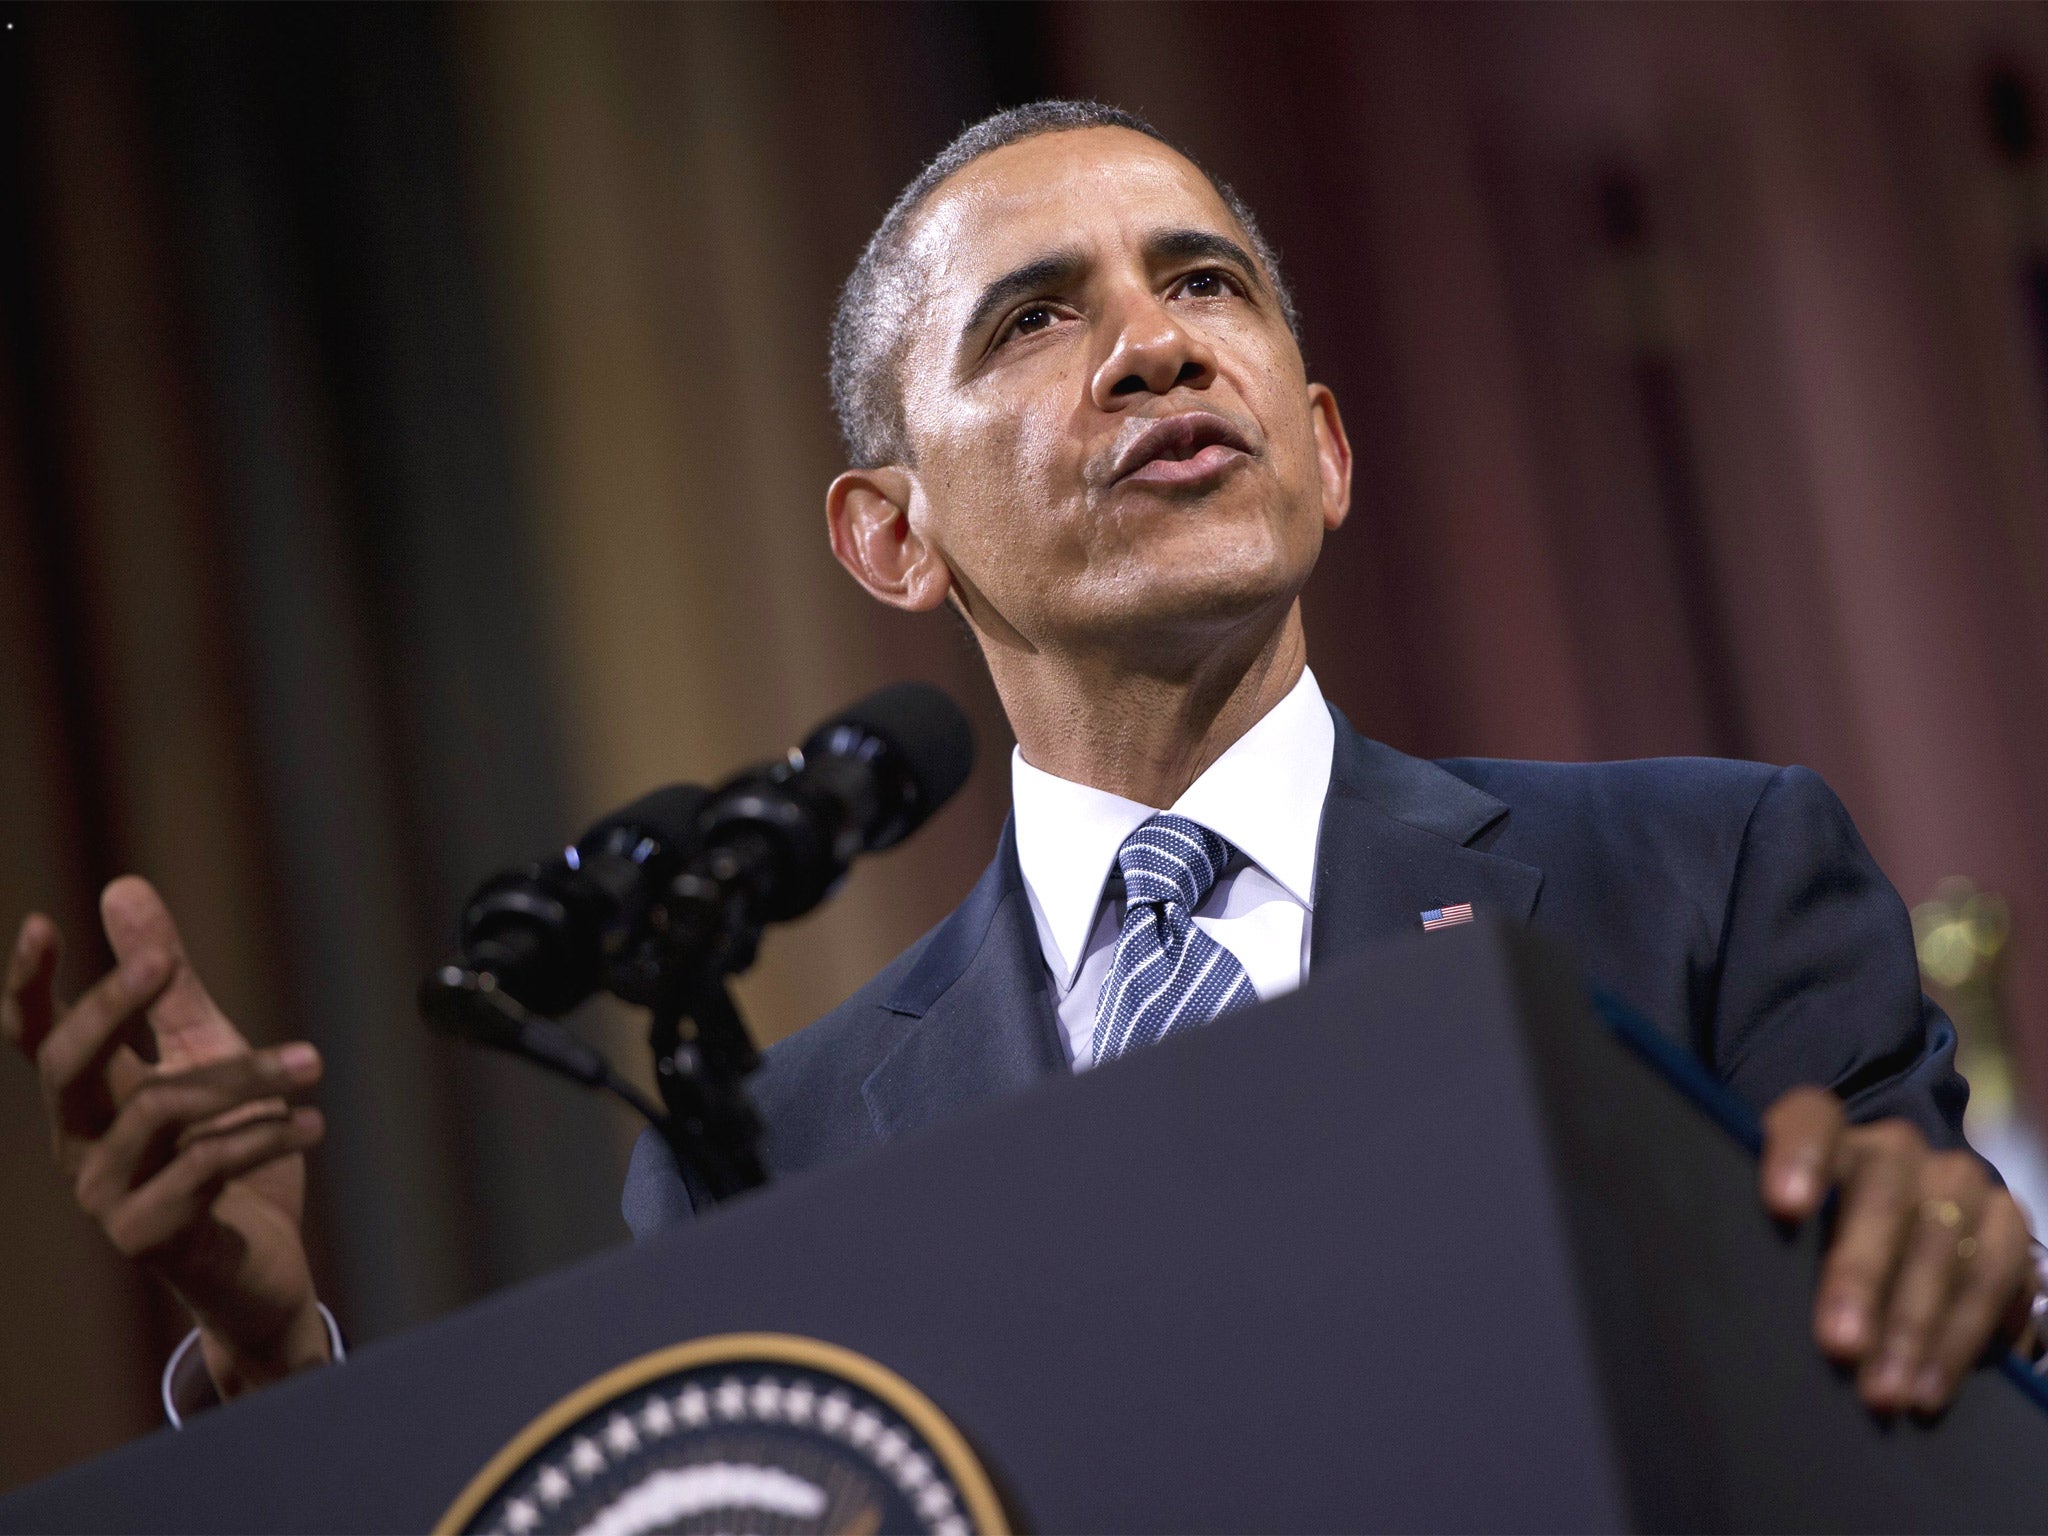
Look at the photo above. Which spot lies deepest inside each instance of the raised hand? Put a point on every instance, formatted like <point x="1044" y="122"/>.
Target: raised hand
<point x="1929" y="1263"/>
<point x="179" y="1139"/>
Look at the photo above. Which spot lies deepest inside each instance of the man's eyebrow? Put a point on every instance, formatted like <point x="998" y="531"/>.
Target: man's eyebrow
<point x="1182" y="244"/>
<point x="1046" y="272"/>
<point x="1059" y="267"/>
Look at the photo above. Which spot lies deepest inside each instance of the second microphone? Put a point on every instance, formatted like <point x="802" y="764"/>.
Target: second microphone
<point x="692" y="874"/>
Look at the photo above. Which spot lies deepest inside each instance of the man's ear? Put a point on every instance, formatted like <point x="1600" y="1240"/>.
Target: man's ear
<point x="1333" y="455"/>
<point x="867" y="512"/>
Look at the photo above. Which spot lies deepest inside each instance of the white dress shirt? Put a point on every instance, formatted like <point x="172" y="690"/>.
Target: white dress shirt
<point x="1263" y="796"/>
<point x="186" y="1388"/>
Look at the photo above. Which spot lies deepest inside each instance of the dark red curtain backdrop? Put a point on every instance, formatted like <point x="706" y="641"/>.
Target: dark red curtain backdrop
<point x="413" y="436"/>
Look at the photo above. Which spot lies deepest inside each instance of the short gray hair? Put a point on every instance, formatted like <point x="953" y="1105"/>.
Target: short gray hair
<point x="869" y="329"/>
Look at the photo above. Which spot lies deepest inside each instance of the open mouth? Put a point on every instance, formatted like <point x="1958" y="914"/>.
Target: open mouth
<point x="1182" y="450"/>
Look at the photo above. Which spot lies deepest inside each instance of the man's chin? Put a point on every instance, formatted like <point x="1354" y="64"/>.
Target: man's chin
<point x="1215" y="560"/>
<point x="1173" y="611"/>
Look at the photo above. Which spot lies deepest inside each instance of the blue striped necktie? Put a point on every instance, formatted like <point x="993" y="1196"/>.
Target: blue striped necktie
<point x="1167" y="974"/>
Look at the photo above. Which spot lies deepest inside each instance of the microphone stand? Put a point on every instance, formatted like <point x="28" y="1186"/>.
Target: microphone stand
<point x="702" y="1055"/>
<point x="696" y="935"/>
<point x="662" y="901"/>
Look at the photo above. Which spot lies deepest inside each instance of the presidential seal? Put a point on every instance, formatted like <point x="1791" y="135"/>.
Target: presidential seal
<point x="741" y="1432"/>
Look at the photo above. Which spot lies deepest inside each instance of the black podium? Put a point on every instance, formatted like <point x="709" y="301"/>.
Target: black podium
<point x="1422" y="1246"/>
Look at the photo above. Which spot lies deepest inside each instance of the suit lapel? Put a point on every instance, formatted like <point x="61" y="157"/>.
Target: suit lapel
<point x="1397" y="840"/>
<point x="983" y="1001"/>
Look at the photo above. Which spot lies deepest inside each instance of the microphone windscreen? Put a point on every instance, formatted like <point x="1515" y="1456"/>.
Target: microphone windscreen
<point x="927" y="733"/>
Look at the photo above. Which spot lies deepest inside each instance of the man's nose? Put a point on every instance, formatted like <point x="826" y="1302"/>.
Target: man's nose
<point x="1153" y="353"/>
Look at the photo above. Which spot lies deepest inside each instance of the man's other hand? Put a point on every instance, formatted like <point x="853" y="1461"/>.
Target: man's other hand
<point x="180" y="1141"/>
<point x="1928" y="1263"/>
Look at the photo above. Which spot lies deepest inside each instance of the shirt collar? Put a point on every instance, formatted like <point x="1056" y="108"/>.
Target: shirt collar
<point x="1264" y="795"/>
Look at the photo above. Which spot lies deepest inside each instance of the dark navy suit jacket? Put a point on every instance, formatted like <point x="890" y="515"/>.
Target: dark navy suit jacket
<point x="1731" y="903"/>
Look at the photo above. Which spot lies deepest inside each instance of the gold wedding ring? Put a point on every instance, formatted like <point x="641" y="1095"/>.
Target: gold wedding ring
<point x="1943" y="1213"/>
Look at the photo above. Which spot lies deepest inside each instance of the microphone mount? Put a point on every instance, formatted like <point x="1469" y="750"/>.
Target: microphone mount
<point x="663" y="901"/>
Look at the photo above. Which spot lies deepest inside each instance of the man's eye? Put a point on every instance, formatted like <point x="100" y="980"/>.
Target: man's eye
<point x="1208" y="285"/>
<point x="1035" y="318"/>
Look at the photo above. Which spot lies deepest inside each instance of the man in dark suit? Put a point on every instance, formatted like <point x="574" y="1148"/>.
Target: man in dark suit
<point x="1731" y="903"/>
<point x="1072" y="392"/>
<point x="1069" y="379"/>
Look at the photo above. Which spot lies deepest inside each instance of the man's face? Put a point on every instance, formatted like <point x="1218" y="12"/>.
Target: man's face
<point x="1113" y="439"/>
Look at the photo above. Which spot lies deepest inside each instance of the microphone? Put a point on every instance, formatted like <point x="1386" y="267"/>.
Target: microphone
<point x="778" y="838"/>
<point x="543" y="933"/>
<point x="662" y="898"/>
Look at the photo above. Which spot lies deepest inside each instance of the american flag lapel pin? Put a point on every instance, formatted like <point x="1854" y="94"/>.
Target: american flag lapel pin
<point x="1446" y="917"/>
